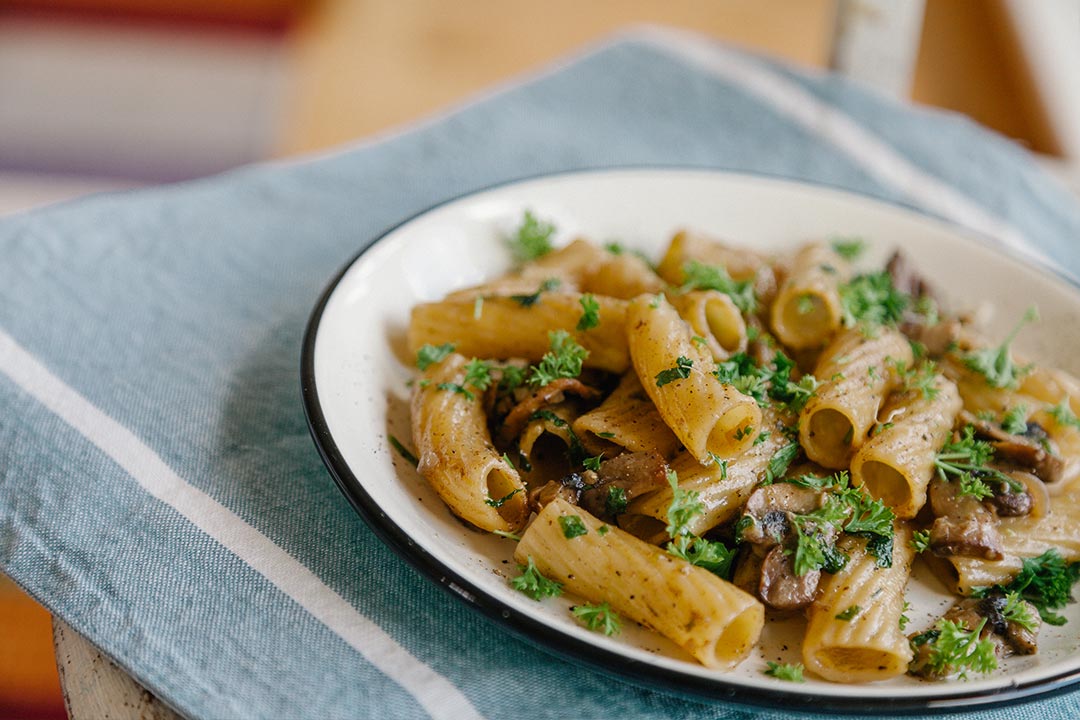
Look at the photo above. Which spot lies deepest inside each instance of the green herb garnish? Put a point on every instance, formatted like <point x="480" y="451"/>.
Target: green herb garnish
<point x="681" y="371"/>
<point x="572" y="526"/>
<point x="699" y="276"/>
<point x="532" y="239"/>
<point x="996" y="364"/>
<point x="428" y="355"/>
<point x="598" y="618"/>
<point x="785" y="671"/>
<point x="533" y="584"/>
<point x="563" y="361"/>
<point x="590" y="312"/>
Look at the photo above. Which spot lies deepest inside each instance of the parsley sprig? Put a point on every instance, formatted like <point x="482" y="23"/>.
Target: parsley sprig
<point x="996" y="364"/>
<point x="1063" y="414"/>
<point x="590" y="312"/>
<point x="699" y="276"/>
<point x="598" y="618"/>
<point x="968" y="456"/>
<point x="681" y="371"/>
<point x="955" y="649"/>
<point x="871" y="300"/>
<point x="785" y="671"/>
<point x="532" y="239"/>
<point x="1046" y="581"/>
<point x="533" y="584"/>
<point x="428" y="355"/>
<point x="564" y="360"/>
<point x="684" y="507"/>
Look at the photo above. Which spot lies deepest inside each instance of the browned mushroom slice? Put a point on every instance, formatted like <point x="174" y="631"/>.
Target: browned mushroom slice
<point x="622" y="479"/>
<point x="1010" y="636"/>
<point x="1029" y="450"/>
<point x="963" y="526"/>
<point x="768" y="511"/>
<point x="568" y="488"/>
<point x="779" y="587"/>
<point x="554" y="392"/>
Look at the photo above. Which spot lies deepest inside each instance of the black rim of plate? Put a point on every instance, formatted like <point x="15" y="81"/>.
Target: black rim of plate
<point x="572" y="649"/>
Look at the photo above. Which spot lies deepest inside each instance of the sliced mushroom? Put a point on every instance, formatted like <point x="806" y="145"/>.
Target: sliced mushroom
<point x="1027" y="451"/>
<point x="552" y="393"/>
<point x="568" y="488"/>
<point x="963" y="526"/>
<point x="622" y="479"/>
<point x="779" y="587"/>
<point x="769" y="508"/>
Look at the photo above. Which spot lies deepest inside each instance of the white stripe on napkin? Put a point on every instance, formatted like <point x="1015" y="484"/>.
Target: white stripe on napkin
<point x="872" y="154"/>
<point x="437" y="695"/>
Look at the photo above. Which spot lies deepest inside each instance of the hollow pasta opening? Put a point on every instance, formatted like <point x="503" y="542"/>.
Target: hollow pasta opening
<point x="725" y="324"/>
<point x="734" y="429"/>
<point x="807" y="319"/>
<point x="858" y="664"/>
<point x="886" y="483"/>
<point x="830" y="434"/>
<point x="501" y="483"/>
<point x="734" y="641"/>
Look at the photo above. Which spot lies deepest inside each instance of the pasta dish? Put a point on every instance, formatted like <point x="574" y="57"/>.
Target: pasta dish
<point x="725" y="436"/>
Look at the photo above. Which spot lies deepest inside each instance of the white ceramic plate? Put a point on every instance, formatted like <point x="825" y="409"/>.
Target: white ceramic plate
<point x="355" y="372"/>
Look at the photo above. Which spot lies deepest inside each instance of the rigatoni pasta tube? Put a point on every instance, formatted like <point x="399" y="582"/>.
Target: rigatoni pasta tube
<point x="1021" y="537"/>
<point x="456" y="455"/>
<point x="626" y="419"/>
<point x="714" y="621"/>
<point x="624" y="276"/>
<point x="857" y="372"/>
<point x="714" y="318"/>
<point x="897" y="463"/>
<point x="505" y="327"/>
<point x="807" y="312"/>
<point x="740" y="263"/>
<point x="706" y="415"/>
<point x="868" y="645"/>
<point x="722" y="487"/>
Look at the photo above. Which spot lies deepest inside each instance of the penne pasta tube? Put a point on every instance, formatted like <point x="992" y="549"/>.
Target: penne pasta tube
<point x="857" y="372"/>
<point x="506" y="327"/>
<point x="706" y="415"/>
<point x="897" y="463"/>
<point x="722" y="487"/>
<point x="740" y="263"/>
<point x="576" y="260"/>
<point x="626" y="419"/>
<point x="624" y="276"/>
<point x="714" y="319"/>
<point x="853" y="630"/>
<point x="710" y="618"/>
<point x="456" y="455"/>
<point x="807" y="311"/>
<point x="1022" y="537"/>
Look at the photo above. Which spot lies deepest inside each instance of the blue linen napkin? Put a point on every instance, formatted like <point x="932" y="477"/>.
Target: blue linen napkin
<point x="158" y="486"/>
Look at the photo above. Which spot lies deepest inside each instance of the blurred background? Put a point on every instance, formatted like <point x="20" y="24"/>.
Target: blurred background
<point x="98" y="95"/>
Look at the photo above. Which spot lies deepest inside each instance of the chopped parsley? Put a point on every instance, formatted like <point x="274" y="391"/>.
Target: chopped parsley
<point x="478" y="374"/>
<point x="699" y="276"/>
<point x="602" y="530"/>
<point x="532" y="239"/>
<point x="615" y="504"/>
<point x="974" y="487"/>
<point x="679" y="372"/>
<point x="403" y="451"/>
<point x="564" y="360"/>
<point x="590" y="312"/>
<point x="785" y="671"/>
<point x="1063" y="414"/>
<point x="870" y="300"/>
<point x="954" y="648"/>
<point x="848" y="248"/>
<point x="805" y="304"/>
<point x="456" y="387"/>
<point x="572" y="526"/>
<point x="1046" y="581"/>
<point x="920" y="541"/>
<point x="970" y="456"/>
<point x="598" y="618"/>
<point x="527" y="301"/>
<point x="533" y="584"/>
<point x="744" y="431"/>
<point x="502" y="501"/>
<point x="428" y="355"/>
<point x="478" y="307"/>
<point x="593" y="463"/>
<point x="1015" y="421"/>
<point x="1018" y="611"/>
<point x="781" y="461"/>
<point x="849" y="614"/>
<point x="904" y="619"/>
<point x="996" y="364"/>
<point x="684" y="507"/>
